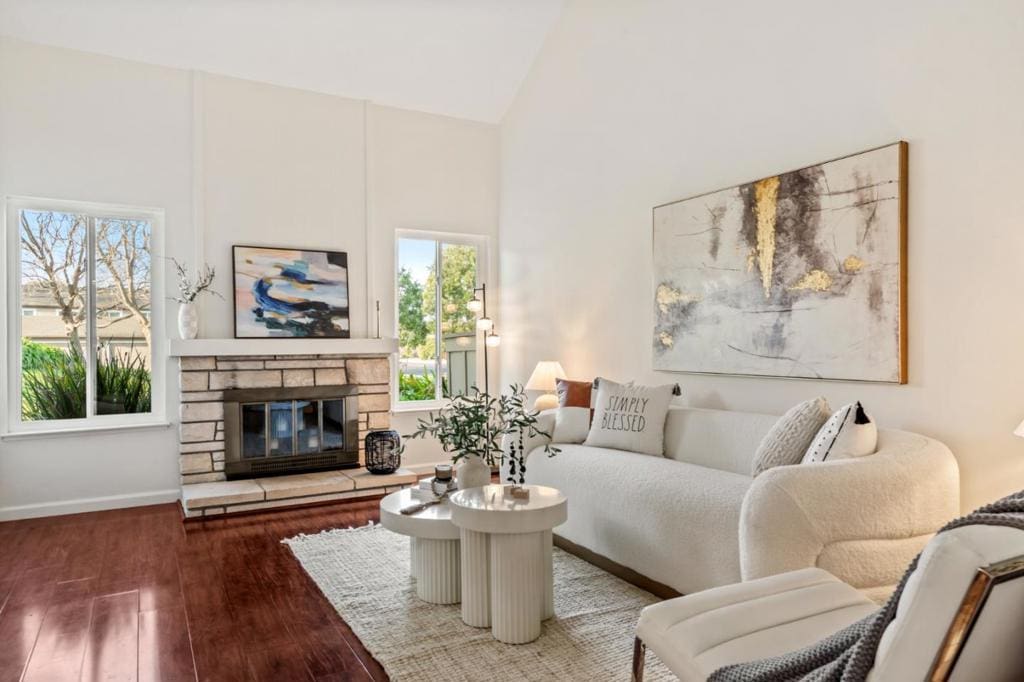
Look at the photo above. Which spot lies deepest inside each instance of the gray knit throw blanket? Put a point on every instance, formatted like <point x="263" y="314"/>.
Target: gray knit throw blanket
<point x="848" y="655"/>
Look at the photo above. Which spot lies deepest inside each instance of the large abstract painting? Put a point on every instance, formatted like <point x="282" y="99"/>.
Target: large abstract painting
<point x="290" y="293"/>
<point x="797" y="275"/>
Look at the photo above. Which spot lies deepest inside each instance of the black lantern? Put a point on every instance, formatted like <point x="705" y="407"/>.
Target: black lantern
<point x="383" y="454"/>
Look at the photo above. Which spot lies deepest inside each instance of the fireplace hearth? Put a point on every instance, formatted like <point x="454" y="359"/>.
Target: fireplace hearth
<point x="272" y="431"/>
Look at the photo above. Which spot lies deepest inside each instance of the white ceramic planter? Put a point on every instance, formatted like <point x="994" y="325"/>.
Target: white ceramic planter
<point x="188" y="321"/>
<point x="472" y="472"/>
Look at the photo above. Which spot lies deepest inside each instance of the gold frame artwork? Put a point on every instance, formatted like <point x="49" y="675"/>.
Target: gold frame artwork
<point x="673" y="319"/>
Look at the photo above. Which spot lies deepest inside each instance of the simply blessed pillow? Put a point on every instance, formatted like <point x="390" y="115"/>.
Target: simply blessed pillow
<point x="631" y="417"/>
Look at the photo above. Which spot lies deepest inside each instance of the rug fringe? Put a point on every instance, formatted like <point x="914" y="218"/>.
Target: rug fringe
<point x="370" y="525"/>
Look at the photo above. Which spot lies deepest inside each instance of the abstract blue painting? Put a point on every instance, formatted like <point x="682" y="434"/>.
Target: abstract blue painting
<point x="290" y="293"/>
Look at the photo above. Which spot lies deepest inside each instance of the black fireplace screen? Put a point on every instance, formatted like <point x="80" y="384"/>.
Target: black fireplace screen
<point x="271" y="431"/>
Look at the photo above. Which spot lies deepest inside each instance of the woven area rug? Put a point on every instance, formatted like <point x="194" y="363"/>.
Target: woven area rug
<point x="364" y="573"/>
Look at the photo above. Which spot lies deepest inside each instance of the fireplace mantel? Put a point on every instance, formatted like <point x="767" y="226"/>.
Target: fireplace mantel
<point x="180" y="348"/>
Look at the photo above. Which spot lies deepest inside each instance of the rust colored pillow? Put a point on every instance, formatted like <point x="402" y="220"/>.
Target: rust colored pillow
<point x="573" y="393"/>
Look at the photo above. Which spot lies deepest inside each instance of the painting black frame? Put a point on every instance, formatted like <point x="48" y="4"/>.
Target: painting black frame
<point x="234" y="301"/>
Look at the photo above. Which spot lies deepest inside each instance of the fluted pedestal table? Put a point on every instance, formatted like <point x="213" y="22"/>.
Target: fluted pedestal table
<point x="507" y="580"/>
<point x="434" y="556"/>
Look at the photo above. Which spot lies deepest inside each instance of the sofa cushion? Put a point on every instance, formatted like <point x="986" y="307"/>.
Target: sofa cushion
<point x="673" y="522"/>
<point x="720" y="439"/>
<point x="849" y="432"/>
<point x="631" y="417"/>
<point x="572" y="424"/>
<point x="573" y="393"/>
<point x="792" y="434"/>
<point x="700" y="633"/>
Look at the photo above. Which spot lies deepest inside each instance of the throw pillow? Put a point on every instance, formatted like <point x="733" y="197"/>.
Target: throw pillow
<point x="573" y="393"/>
<point x="788" y="440"/>
<point x="571" y="425"/>
<point x="850" y="432"/>
<point x="631" y="417"/>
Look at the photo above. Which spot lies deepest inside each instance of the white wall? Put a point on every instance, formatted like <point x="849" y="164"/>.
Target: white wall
<point x="231" y="162"/>
<point x="94" y="129"/>
<point x="631" y="105"/>
<point x="428" y="173"/>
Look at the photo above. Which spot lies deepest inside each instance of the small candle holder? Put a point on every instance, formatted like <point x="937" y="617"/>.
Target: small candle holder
<point x="443" y="480"/>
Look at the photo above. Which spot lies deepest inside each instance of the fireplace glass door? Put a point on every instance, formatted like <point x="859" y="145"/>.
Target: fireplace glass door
<point x="291" y="429"/>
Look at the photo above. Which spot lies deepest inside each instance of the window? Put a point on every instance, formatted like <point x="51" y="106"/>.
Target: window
<point x="81" y="285"/>
<point x="437" y="332"/>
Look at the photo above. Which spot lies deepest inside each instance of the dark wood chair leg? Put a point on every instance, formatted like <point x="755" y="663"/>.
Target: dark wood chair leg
<point x="639" y="652"/>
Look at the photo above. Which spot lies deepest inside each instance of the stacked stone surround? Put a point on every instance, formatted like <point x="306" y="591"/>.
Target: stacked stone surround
<point x="203" y="380"/>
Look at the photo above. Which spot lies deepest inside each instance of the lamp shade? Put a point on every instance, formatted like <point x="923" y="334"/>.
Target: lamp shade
<point x="1019" y="431"/>
<point x="544" y="375"/>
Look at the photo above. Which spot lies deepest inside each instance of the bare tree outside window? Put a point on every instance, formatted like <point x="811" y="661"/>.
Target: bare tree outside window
<point x="75" y="295"/>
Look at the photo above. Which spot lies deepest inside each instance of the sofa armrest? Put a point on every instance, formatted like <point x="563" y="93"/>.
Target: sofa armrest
<point x="545" y="423"/>
<point x="862" y="519"/>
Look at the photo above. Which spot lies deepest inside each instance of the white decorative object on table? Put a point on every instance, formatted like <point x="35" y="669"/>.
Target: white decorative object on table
<point x="434" y="555"/>
<point x="472" y="472"/>
<point x="507" y="580"/>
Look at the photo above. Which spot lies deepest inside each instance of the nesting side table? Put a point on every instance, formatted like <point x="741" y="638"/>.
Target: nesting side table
<point x="434" y="546"/>
<point x="507" y="579"/>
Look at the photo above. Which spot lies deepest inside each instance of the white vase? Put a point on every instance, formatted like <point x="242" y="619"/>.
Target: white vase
<point x="188" y="321"/>
<point x="472" y="472"/>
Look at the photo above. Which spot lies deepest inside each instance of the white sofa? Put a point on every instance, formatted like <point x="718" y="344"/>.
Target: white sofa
<point x="696" y="519"/>
<point x="945" y="627"/>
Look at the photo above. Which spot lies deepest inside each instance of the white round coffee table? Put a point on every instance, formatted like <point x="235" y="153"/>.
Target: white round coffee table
<point x="434" y="545"/>
<point x="507" y="579"/>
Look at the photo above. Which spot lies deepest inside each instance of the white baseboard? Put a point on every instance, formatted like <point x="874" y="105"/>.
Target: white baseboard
<point x="31" y="511"/>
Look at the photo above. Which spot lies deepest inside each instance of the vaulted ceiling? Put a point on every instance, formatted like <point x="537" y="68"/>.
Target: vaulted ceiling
<point x="463" y="58"/>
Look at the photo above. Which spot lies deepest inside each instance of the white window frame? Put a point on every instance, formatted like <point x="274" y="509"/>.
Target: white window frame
<point x="10" y="292"/>
<point x="483" y="269"/>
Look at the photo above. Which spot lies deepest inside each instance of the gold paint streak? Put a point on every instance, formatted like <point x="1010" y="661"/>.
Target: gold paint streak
<point x="766" y="194"/>
<point x="815" y="280"/>
<point x="666" y="296"/>
<point x="666" y="339"/>
<point x="751" y="259"/>
<point x="853" y="264"/>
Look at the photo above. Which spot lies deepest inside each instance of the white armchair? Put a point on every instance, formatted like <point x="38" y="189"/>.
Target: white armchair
<point x="959" y="617"/>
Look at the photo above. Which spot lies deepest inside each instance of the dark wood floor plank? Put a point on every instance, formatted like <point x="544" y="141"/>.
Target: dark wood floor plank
<point x="165" y="649"/>
<point x="136" y="594"/>
<point x="112" y="651"/>
<point x="60" y="646"/>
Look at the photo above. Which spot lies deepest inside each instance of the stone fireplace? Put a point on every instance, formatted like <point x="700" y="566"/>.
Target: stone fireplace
<point x="313" y="409"/>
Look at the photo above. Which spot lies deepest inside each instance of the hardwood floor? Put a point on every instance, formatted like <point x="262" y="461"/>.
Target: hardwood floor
<point x="135" y="594"/>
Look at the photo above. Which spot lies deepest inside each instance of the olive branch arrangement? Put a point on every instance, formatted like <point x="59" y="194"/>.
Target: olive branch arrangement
<point x="476" y="423"/>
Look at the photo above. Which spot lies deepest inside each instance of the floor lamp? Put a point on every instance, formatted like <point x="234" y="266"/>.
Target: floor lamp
<point x="486" y="325"/>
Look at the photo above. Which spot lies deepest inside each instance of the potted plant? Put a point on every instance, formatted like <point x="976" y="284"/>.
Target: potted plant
<point x="471" y="428"/>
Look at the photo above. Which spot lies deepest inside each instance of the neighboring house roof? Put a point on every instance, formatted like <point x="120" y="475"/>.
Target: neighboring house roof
<point x="37" y="295"/>
<point x="43" y="327"/>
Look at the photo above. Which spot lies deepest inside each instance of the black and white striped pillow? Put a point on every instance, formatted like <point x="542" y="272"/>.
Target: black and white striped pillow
<point x="849" y="432"/>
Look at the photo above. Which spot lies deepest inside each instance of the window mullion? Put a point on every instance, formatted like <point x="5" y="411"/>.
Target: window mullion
<point x="438" y="379"/>
<point x="90" y="316"/>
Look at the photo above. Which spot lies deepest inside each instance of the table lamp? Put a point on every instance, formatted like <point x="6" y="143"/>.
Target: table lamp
<point x="543" y="379"/>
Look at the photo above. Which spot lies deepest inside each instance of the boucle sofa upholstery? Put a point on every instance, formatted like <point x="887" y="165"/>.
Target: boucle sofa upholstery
<point x="696" y="519"/>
